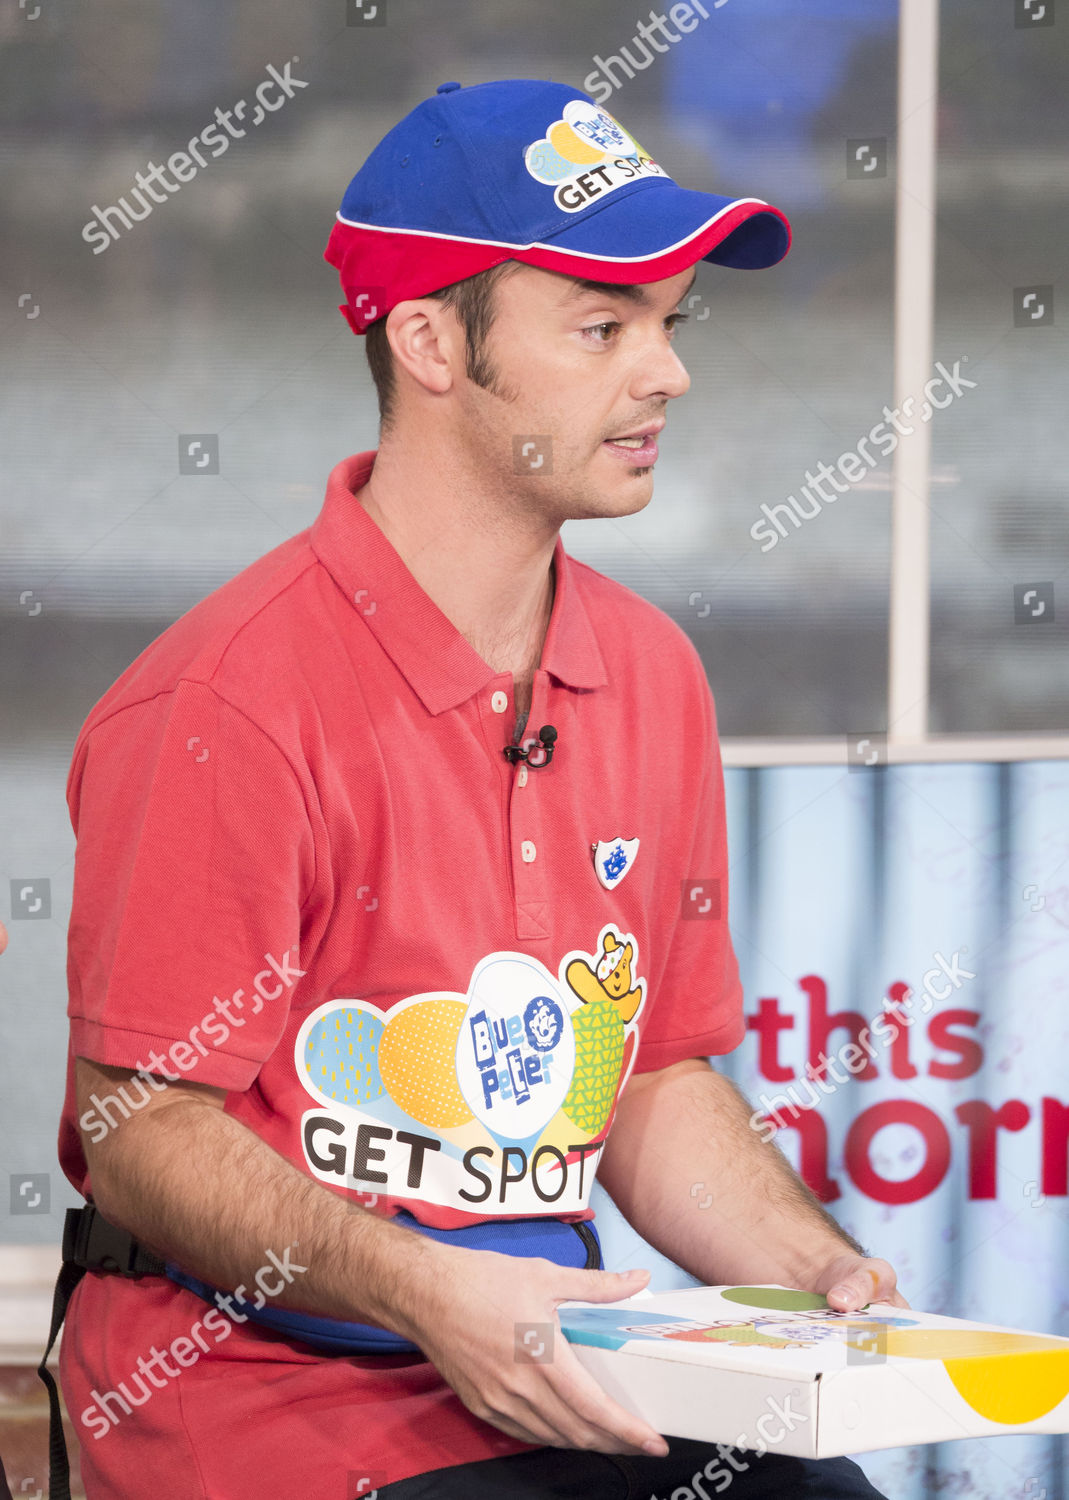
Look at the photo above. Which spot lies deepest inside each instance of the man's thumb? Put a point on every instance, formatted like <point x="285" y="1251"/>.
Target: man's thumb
<point x="608" y="1286"/>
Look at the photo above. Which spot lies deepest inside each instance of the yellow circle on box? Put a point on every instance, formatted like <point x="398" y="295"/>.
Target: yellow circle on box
<point x="1008" y="1377"/>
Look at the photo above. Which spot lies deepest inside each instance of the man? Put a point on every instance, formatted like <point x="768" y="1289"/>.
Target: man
<point x="347" y="941"/>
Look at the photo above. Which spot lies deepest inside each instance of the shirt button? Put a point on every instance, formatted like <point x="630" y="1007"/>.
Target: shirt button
<point x="522" y="777"/>
<point x="528" y="850"/>
<point x="499" y="702"/>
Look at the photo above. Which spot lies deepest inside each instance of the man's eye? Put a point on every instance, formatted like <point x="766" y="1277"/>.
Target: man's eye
<point x="602" y="331"/>
<point x="674" y="319"/>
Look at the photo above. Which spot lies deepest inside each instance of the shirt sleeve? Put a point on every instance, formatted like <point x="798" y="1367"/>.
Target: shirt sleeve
<point x="698" y="1003"/>
<point x="194" y="853"/>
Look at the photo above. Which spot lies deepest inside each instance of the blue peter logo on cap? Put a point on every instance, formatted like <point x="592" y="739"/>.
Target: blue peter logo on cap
<point x="586" y="153"/>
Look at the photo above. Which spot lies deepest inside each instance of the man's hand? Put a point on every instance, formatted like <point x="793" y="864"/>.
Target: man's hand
<point x="471" y="1329"/>
<point x="850" y="1282"/>
<point x="157" y="1174"/>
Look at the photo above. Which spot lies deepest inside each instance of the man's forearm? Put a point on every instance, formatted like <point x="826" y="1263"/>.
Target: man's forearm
<point x="198" y="1187"/>
<point x="686" y="1170"/>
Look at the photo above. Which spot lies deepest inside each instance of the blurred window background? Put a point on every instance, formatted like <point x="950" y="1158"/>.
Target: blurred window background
<point x="214" y="315"/>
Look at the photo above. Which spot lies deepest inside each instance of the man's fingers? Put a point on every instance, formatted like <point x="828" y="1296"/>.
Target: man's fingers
<point x="602" y="1286"/>
<point x="580" y="1395"/>
<point x="556" y="1423"/>
<point x="550" y="1400"/>
<point x="516" y="1430"/>
<point x="544" y="1416"/>
<point x="566" y="1398"/>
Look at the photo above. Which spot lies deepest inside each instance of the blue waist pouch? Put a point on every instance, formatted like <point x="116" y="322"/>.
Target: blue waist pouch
<point x="568" y="1244"/>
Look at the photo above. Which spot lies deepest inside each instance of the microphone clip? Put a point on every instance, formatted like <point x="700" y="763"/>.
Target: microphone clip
<point x="539" y="755"/>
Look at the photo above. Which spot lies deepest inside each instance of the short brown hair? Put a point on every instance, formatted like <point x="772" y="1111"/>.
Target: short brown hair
<point x="473" y="302"/>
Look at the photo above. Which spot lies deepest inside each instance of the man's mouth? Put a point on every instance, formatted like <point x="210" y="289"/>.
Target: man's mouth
<point x="638" y="448"/>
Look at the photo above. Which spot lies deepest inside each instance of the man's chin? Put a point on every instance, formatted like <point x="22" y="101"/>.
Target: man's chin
<point x="629" y="483"/>
<point x="631" y="493"/>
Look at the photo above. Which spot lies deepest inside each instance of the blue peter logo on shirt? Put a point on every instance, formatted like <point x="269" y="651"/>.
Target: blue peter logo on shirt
<point x="506" y="1068"/>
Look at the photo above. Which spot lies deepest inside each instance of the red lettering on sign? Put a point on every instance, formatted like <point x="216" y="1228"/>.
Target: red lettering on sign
<point x="983" y="1124"/>
<point x="897" y="1112"/>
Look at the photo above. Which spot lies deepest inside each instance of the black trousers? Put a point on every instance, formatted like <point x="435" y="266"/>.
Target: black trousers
<point x="689" y="1471"/>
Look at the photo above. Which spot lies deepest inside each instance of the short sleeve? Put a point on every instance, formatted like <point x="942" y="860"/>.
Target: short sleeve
<point x="194" y="854"/>
<point x="698" y="1004"/>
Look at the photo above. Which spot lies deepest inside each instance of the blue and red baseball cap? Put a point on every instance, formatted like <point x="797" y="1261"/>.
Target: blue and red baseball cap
<point x="528" y="170"/>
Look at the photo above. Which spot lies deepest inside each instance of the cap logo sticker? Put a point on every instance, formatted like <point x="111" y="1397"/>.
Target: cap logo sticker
<point x="586" y="154"/>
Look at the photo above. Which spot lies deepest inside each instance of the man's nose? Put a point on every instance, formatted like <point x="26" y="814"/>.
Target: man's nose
<point x="660" y="372"/>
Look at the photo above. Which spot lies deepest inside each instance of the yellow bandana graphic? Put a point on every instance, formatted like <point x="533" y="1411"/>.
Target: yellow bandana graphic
<point x="497" y="1099"/>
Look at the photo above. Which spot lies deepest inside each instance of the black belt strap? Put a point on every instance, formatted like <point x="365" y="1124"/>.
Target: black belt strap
<point x="90" y="1243"/>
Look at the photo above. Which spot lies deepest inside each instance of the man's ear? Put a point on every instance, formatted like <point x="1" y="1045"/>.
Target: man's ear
<point x="427" y="342"/>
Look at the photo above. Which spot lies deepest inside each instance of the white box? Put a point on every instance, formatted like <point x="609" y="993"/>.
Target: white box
<point x="772" y="1368"/>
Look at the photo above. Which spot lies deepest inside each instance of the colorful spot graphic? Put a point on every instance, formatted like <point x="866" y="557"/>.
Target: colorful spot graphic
<point x="781" y="1299"/>
<point x="585" y="137"/>
<point x="571" y="145"/>
<point x="416" y="1061"/>
<point x="599" y="1051"/>
<point x="740" y="1335"/>
<point x="340" y="1056"/>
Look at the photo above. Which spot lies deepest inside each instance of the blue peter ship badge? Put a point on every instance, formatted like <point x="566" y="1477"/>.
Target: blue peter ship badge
<point x="612" y="860"/>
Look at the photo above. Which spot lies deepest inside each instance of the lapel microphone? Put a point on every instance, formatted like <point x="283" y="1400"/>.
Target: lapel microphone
<point x="538" y="755"/>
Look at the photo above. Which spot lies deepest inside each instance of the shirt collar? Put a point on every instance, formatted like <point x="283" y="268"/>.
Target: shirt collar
<point x="441" y="666"/>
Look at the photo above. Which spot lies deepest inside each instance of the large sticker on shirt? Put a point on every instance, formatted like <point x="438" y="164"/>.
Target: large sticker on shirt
<point x="495" y="1101"/>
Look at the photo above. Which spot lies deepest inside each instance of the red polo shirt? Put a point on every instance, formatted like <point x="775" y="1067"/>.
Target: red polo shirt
<point x="307" y="873"/>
